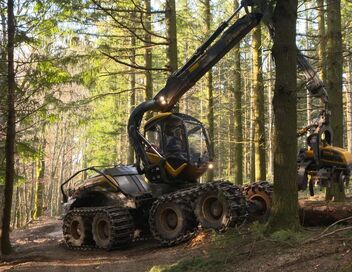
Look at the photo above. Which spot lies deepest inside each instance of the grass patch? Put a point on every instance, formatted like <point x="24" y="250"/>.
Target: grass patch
<point x="288" y="237"/>
<point x="347" y="268"/>
<point x="194" y="264"/>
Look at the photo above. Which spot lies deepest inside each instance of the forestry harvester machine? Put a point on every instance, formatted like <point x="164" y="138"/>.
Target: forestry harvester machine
<point x="320" y="162"/>
<point x="117" y="204"/>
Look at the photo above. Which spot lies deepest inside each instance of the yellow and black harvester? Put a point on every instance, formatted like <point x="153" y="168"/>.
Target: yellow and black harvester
<point x="161" y="194"/>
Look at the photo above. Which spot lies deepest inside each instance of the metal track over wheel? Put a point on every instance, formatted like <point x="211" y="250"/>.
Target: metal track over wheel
<point x="259" y="196"/>
<point x="112" y="228"/>
<point x="219" y="206"/>
<point x="77" y="230"/>
<point x="172" y="221"/>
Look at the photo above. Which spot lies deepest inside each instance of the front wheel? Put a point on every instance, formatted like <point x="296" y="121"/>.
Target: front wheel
<point x="172" y="222"/>
<point x="213" y="210"/>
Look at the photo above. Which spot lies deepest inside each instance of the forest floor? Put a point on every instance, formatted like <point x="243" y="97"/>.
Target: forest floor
<point x="40" y="247"/>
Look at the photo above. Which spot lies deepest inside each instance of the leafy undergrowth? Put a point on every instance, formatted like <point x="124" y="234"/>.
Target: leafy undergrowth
<point x="252" y="250"/>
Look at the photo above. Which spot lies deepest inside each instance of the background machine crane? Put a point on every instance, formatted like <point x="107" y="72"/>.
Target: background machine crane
<point x="113" y="207"/>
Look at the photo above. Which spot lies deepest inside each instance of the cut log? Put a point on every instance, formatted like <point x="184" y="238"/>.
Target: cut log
<point x="322" y="213"/>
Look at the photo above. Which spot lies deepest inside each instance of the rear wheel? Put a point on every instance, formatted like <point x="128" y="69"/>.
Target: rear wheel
<point x="259" y="194"/>
<point x="102" y="230"/>
<point x="77" y="230"/>
<point x="113" y="228"/>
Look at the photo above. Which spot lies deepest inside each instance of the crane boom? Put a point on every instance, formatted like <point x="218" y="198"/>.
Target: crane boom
<point x="181" y="81"/>
<point x="205" y="57"/>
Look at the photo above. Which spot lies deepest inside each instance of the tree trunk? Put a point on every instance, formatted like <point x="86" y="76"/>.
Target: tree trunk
<point x="238" y="137"/>
<point x="251" y="135"/>
<point x="170" y="16"/>
<point x="14" y="210"/>
<point x="39" y="197"/>
<point x="10" y="131"/>
<point x="148" y="53"/>
<point x="210" y="116"/>
<point x="1" y="205"/>
<point x="258" y="99"/>
<point x="309" y="98"/>
<point x="285" y="205"/>
<point x="334" y="83"/>
<point x="349" y="105"/>
<point x="270" y="118"/>
<point x="133" y="95"/>
<point x="322" y="39"/>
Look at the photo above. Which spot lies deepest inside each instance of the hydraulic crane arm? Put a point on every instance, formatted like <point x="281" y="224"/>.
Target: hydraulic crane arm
<point x="205" y="57"/>
<point x="182" y="80"/>
<point x="202" y="61"/>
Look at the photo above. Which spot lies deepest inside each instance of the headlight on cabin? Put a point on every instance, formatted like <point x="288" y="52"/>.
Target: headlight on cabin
<point x="323" y="136"/>
<point x="162" y="100"/>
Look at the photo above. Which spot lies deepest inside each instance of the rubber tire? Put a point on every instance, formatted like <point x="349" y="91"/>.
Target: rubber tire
<point x="185" y="221"/>
<point x="78" y="230"/>
<point x="120" y="228"/>
<point x="260" y="191"/>
<point x="203" y="214"/>
<point x="98" y="236"/>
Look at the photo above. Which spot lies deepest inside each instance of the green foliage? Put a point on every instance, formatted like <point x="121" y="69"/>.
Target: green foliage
<point x="26" y="150"/>
<point x="52" y="74"/>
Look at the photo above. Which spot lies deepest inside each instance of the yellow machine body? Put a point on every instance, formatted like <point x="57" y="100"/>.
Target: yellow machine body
<point x="332" y="156"/>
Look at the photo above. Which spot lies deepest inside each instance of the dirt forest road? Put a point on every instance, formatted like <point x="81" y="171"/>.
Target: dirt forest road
<point x="40" y="248"/>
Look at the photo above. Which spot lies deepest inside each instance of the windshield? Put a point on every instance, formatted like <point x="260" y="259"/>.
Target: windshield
<point x="197" y="142"/>
<point x="174" y="139"/>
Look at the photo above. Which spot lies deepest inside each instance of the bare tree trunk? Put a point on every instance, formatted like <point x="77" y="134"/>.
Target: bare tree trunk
<point x="309" y="98"/>
<point x="284" y="214"/>
<point x="334" y="83"/>
<point x="53" y="163"/>
<point x="170" y="16"/>
<point x="258" y="99"/>
<point x="238" y="129"/>
<point x="322" y="39"/>
<point x="252" y="135"/>
<point x="6" y="247"/>
<point x="210" y="116"/>
<point x="61" y="177"/>
<point x="349" y="105"/>
<point x="1" y="204"/>
<point x="18" y="221"/>
<point x="148" y="53"/>
<point x="15" y="208"/>
<point x="39" y="197"/>
<point x="247" y="130"/>
<point x="133" y="95"/>
<point x="270" y="118"/>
